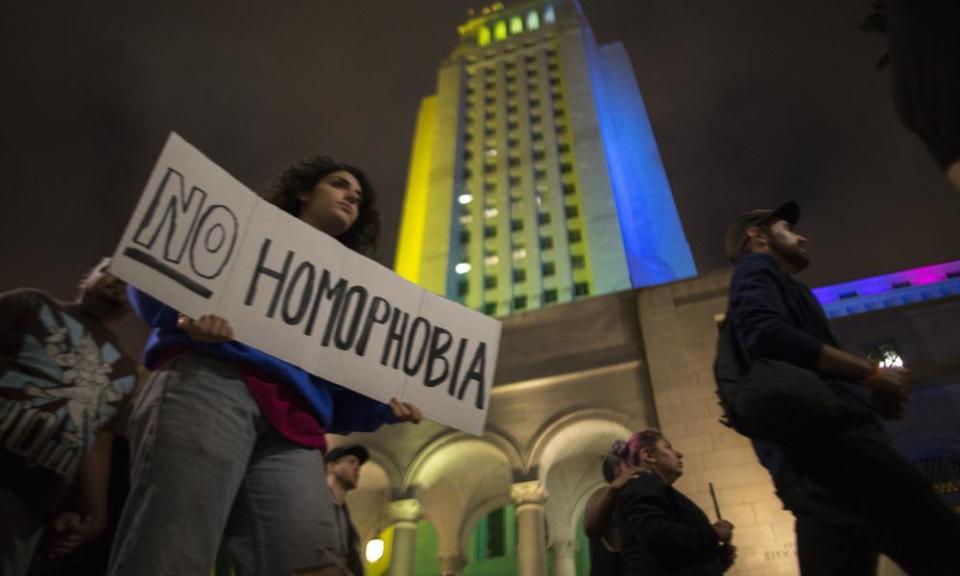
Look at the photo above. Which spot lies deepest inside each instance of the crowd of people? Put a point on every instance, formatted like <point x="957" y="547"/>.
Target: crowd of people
<point x="227" y="443"/>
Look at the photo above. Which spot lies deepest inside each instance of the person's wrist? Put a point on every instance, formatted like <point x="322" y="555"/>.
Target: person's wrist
<point x="874" y="375"/>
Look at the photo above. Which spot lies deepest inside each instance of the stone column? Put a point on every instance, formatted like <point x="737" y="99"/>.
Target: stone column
<point x="531" y="534"/>
<point x="405" y="514"/>
<point x="451" y="564"/>
<point x="564" y="563"/>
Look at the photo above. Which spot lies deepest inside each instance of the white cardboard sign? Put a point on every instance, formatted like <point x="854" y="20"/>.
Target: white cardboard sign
<point x="202" y="243"/>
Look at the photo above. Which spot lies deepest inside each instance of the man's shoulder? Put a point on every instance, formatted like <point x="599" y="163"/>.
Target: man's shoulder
<point x="755" y="261"/>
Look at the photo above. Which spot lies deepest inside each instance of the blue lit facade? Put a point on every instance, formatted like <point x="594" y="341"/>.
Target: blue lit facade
<point x="890" y="290"/>
<point x="535" y="177"/>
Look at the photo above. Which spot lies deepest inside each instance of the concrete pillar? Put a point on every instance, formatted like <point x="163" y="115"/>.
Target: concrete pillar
<point x="531" y="533"/>
<point x="564" y="563"/>
<point x="405" y="514"/>
<point x="451" y="564"/>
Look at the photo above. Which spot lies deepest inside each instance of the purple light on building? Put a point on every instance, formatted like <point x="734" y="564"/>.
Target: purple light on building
<point x="889" y="290"/>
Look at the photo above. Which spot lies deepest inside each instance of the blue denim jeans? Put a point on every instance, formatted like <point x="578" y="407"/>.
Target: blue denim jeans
<point x="207" y="467"/>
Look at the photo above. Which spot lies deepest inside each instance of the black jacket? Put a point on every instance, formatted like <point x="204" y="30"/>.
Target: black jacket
<point x="663" y="532"/>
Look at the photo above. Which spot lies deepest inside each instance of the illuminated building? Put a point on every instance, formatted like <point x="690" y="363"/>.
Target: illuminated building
<point x="535" y="177"/>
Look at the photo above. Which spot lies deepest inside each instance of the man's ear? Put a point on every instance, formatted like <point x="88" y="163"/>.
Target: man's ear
<point x="757" y="236"/>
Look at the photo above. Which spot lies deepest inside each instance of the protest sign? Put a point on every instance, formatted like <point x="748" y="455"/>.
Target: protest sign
<point x="202" y="243"/>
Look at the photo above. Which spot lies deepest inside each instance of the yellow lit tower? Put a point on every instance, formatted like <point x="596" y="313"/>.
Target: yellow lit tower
<point x="535" y="177"/>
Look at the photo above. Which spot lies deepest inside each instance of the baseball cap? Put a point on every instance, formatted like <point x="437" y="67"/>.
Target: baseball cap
<point x="351" y="449"/>
<point x="737" y="232"/>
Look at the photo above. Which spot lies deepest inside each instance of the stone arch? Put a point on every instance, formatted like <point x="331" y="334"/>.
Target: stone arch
<point x="548" y="431"/>
<point x="455" y="476"/>
<point x="567" y="456"/>
<point x="503" y="442"/>
<point x="470" y="521"/>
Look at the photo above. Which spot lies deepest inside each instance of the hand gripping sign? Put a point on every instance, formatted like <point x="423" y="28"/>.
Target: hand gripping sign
<point x="202" y="243"/>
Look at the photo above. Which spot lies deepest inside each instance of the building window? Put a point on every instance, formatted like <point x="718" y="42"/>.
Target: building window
<point x="514" y="181"/>
<point x="516" y="225"/>
<point x="519" y="275"/>
<point x="464" y="236"/>
<point x="546" y="242"/>
<point x="550" y="295"/>
<point x="496" y="533"/>
<point x="500" y="30"/>
<point x="490" y="308"/>
<point x="520" y="302"/>
<point x="549" y="268"/>
<point x="538" y="154"/>
<point x="578" y="262"/>
<point x="571" y="211"/>
<point x="489" y="282"/>
<point x="581" y="289"/>
<point x="566" y="167"/>
<point x="568" y="189"/>
<point x="549" y="15"/>
<point x="489" y="231"/>
<point x="533" y="21"/>
<point x="463" y="287"/>
<point x="543" y="218"/>
<point x="536" y="136"/>
<point x="516" y="25"/>
<point x="483" y="36"/>
<point x="574" y="236"/>
<point x="535" y="118"/>
<point x="563" y="147"/>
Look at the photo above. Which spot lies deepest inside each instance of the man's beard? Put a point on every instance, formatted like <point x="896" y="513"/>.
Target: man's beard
<point x="792" y="255"/>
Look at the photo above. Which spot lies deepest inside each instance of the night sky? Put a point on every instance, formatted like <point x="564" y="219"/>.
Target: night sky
<point x="752" y="103"/>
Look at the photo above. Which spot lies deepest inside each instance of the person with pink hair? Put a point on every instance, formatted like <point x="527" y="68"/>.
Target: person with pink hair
<point x="662" y="531"/>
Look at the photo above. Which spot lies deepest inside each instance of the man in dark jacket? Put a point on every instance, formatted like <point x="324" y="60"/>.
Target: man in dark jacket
<point x="813" y="411"/>
<point x="343" y="475"/>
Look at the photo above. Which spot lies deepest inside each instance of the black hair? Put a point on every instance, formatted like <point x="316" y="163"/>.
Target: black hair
<point x="301" y="178"/>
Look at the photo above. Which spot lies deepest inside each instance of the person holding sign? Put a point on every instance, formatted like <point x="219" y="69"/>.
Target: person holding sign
<point x="662" y="531"/>
<point x="228" y="441"/>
